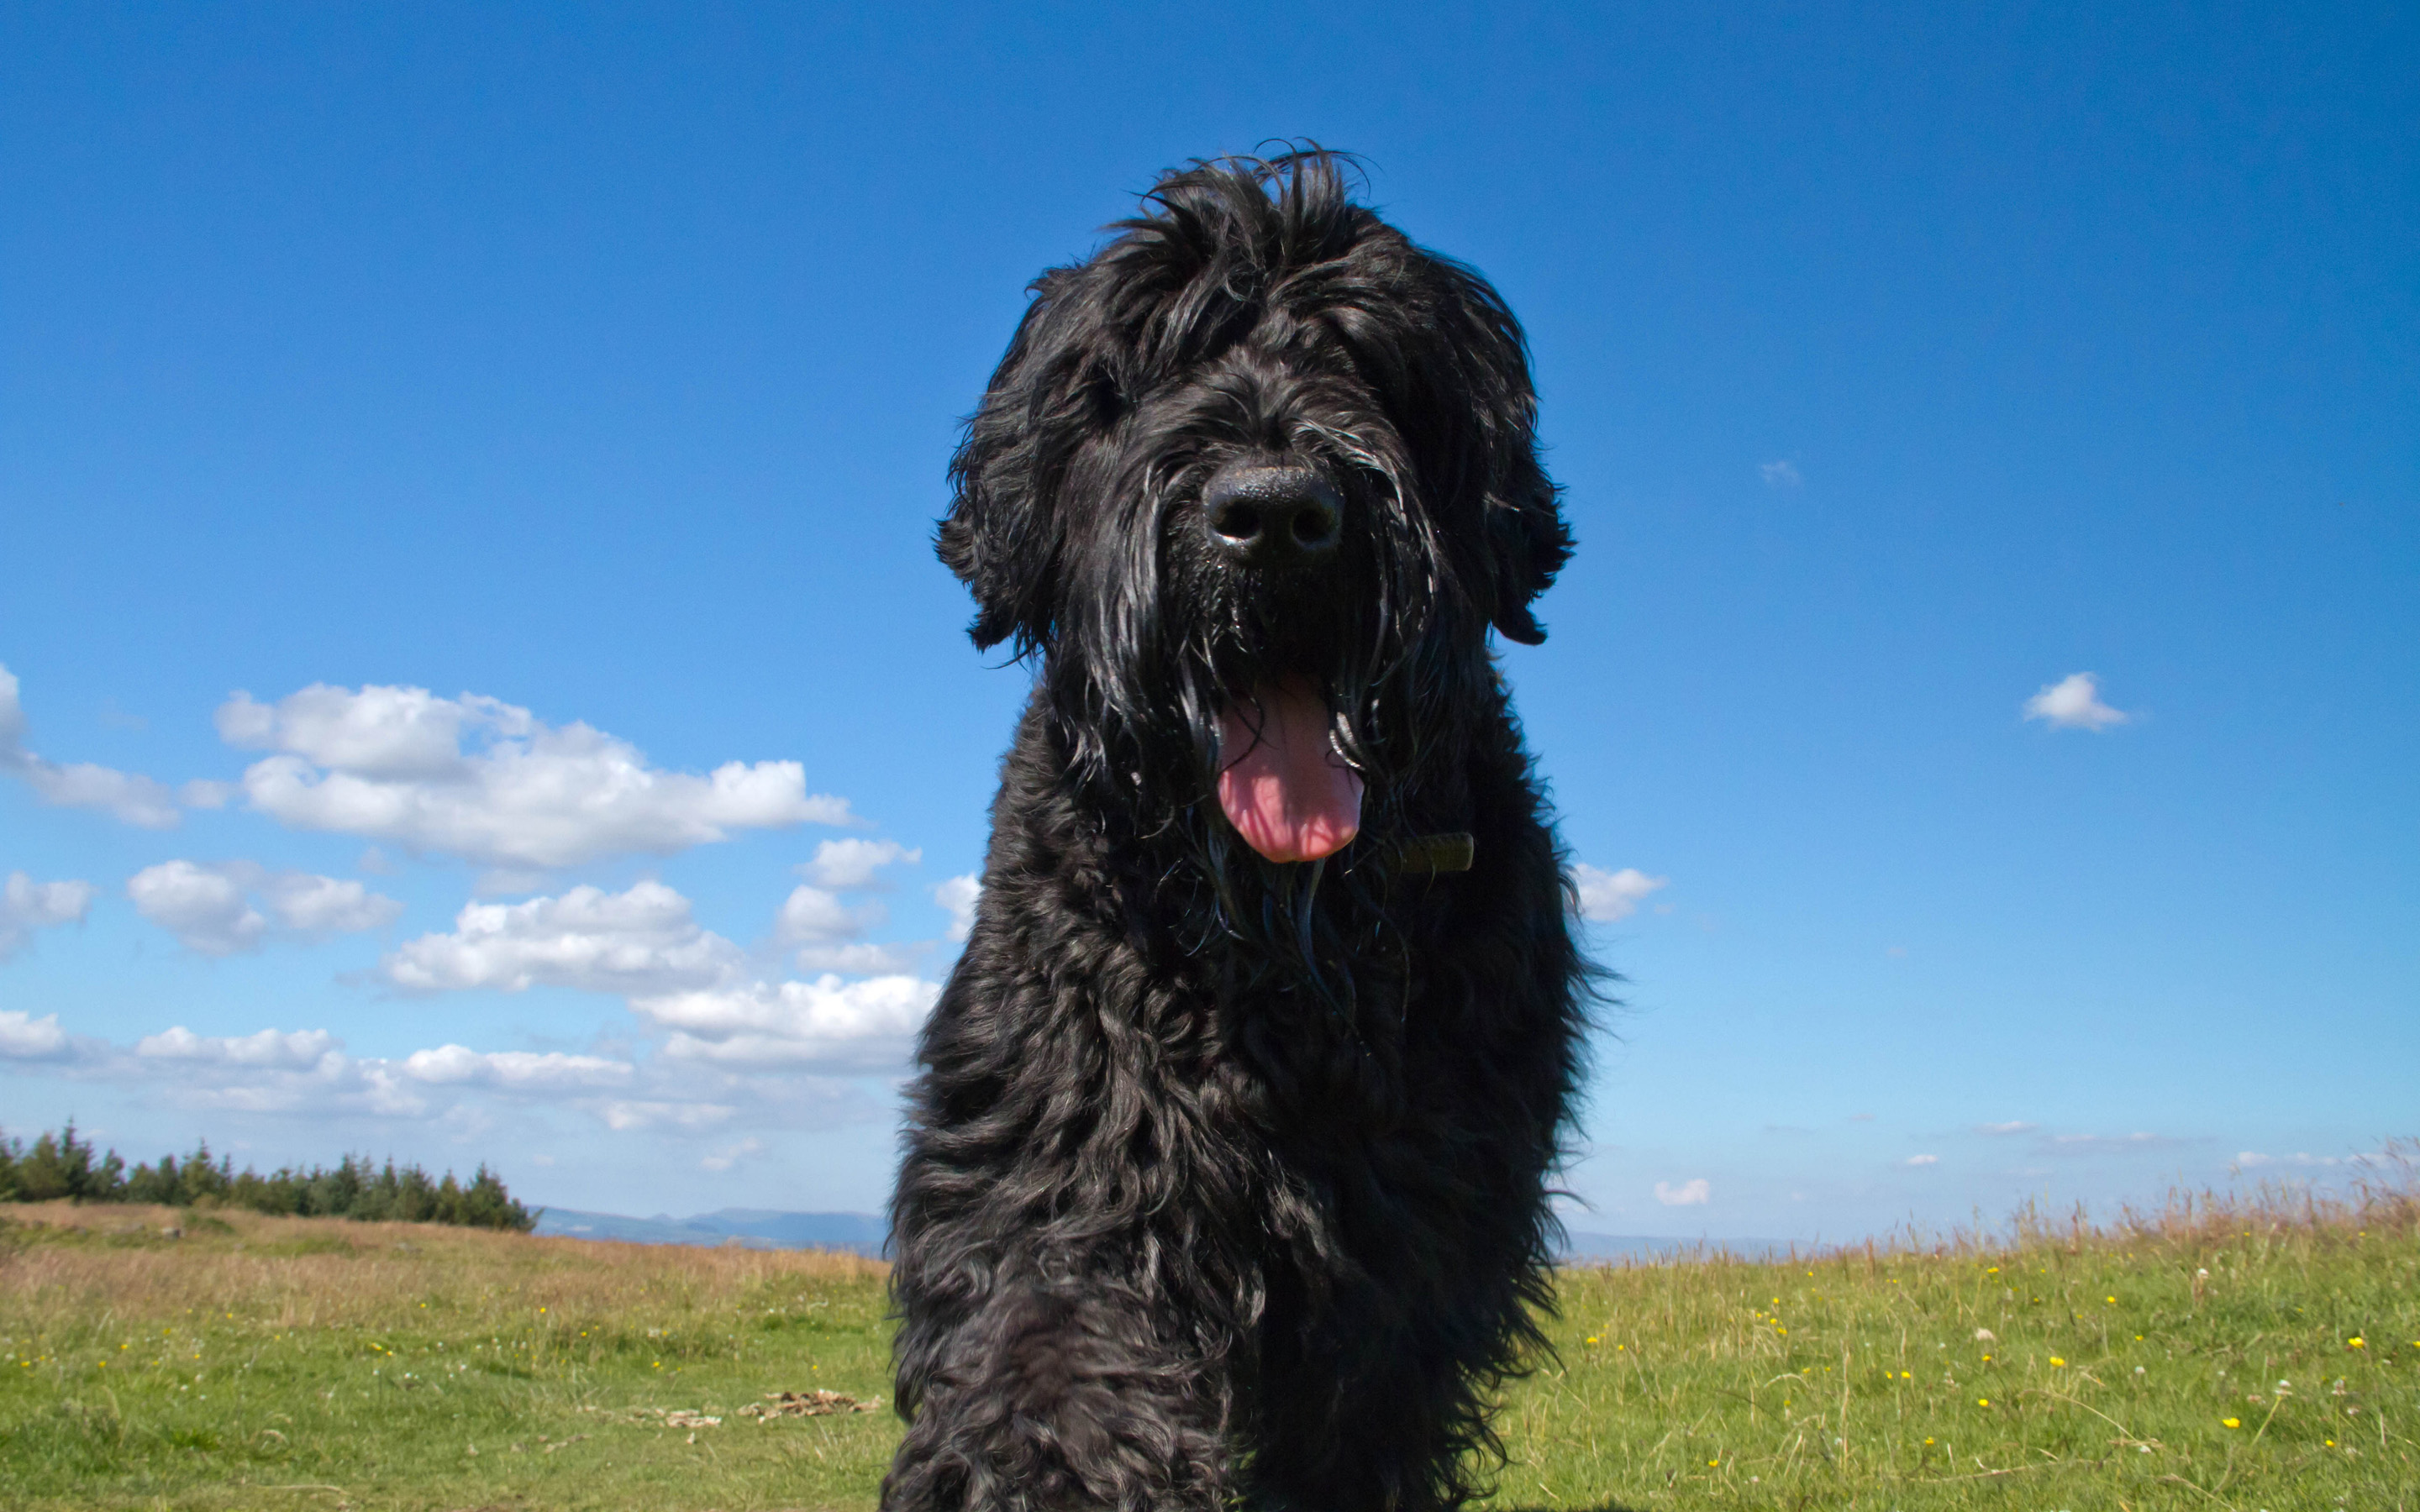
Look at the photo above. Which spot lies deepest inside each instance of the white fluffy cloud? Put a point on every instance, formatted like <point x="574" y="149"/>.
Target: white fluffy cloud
<point x="827" y="1024"/>
<point x="318" y="907"/>
<point x="794" y="1062"/>
<point x="1695" y="1193"/>
<point x="850" y="864"/>
<point x="2014" y="1126"/>
<point x="480" y="778"/>
<point x="2073" y="702"/>
<point x="959" y="895"/>
<point x="269" y="1050"/>
<point x="1781" y="475"/>
<point x="454" y="1065"/>
<point x="831" y="934"/>
<point x="1607" y="896"/>
<point x="726" y="1038"/>
<point x="689" y="982"/>
<point x="136" y="800"/>
<point x="860" y="957"/>
<point x="727" y="1044"/>
<point x="230" y="907"/>
<point x="644" y="940"/>
<point x="816" y="916"/>
<point x="23" y="1037"/>
<point x="205" y="907"/>
<point x="302" y="1072"/>
<point x="27" y="905"/>
<point x="1921" y="1159"/>
<point x="307" y="1072"/>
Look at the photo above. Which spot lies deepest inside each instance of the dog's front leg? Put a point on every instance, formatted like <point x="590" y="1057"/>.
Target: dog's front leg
<point x="1046" y="1397"/>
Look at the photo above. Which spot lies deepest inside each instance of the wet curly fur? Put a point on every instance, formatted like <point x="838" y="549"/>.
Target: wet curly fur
<point x="1226" y="1181"/>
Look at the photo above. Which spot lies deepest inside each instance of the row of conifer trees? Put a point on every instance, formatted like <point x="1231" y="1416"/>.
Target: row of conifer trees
<point x="63" y="1165"/>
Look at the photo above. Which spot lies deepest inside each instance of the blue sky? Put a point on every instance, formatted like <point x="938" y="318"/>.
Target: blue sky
<point x="482" y="689"/>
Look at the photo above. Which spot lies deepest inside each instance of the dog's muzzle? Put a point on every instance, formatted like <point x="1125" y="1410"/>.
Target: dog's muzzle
<point x="1273" y="517"/>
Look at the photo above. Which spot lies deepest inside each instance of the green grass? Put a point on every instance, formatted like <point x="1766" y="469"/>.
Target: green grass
<point x="321" y="1364"/>
<point x="2105" y="1373"/>
<point x="317" y="1363"/>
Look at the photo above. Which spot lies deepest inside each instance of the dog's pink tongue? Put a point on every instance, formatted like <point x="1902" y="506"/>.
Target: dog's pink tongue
<point x="1287" y="792"/>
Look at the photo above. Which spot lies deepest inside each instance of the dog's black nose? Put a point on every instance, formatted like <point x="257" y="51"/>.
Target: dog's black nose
<point x="1273" y="516"/>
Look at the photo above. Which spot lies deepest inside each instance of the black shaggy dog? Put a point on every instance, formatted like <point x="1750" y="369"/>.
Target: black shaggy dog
<point x="1225" y="1179"/>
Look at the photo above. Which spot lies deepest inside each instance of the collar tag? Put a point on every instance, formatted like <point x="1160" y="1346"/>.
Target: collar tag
<point x="1432" y="854"/>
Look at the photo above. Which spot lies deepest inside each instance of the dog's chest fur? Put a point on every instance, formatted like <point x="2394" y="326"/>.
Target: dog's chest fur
<point x="1097" y="1054"/>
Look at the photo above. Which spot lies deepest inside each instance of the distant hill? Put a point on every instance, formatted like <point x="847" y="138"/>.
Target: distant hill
<point x="863" y="1233"/>
<point x="859" y="1233"/>
<point x="1586" y="1248"/>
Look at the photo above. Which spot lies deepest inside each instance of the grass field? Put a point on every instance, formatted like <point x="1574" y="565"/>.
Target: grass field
<point x="2258" y="1354"/>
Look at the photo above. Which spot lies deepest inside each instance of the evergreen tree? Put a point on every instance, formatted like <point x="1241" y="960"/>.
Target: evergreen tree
<point x="65" y="1166"/>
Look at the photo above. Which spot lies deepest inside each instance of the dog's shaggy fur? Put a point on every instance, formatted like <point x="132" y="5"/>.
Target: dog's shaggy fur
<point x="1226" y="1178"/>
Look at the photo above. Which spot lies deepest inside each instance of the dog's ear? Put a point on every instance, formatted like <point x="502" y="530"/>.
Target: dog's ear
<point x="1527" y="543"/>
<point x="1482" y="410"/>
<point x="1006" y="527"/>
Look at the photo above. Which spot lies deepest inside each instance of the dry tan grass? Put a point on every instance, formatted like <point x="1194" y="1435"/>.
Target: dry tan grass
<point x="320" y="1272"/>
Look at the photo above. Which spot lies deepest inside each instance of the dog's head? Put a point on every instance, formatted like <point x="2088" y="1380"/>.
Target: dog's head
<point x="1259" y="474"/>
